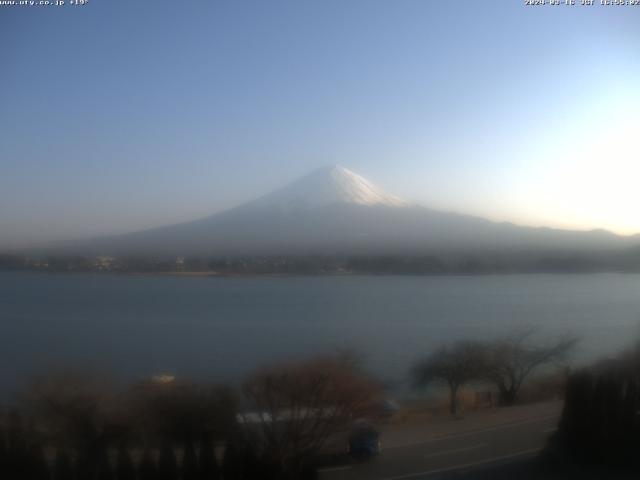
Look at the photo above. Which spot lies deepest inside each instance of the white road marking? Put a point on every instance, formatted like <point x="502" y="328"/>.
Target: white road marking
<point x="497" y="427"/>
<point x="550" y="430"/>
<point x="333" y="469"/>
<point x="466" y="465"/>
<point x="472" y="432"/>
<point x="457" y="450"/>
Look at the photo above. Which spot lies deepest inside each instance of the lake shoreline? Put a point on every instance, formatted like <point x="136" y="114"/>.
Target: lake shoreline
<point x="215" y="274"/>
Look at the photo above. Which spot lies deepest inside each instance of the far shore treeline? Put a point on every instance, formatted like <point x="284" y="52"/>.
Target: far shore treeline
<point x="437" y="264"/>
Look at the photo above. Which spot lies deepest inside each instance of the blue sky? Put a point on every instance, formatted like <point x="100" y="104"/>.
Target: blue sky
<point x="121" y="115"/>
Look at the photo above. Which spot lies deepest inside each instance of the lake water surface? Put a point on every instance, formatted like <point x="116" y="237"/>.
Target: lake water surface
<point x="222" y="328"/>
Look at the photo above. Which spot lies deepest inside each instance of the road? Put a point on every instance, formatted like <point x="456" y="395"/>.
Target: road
<point x="435" y="449"/>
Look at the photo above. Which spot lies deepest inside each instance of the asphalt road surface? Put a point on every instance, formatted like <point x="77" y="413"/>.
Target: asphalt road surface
<point x="439" y="449"/>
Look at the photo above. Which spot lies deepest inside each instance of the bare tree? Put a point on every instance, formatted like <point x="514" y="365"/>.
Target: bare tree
<point x="180" y="412"/>
<point x="77" y="408"/>
<point x="299" y="405"/>
<point x="512" y="359"/>
<point x="454" y="365"/>
<point x="75" y="405"/>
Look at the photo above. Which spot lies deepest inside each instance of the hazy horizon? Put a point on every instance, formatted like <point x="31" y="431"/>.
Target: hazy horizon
<point x="119" y="117"/>
<point x="258" y="198"/>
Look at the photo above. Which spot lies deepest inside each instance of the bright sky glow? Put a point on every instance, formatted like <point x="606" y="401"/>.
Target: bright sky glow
<point x="588" y="176"/>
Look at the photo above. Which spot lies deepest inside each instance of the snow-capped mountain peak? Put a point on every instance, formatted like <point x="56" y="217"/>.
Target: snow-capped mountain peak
<point x="328" y="186"/>
<point x="359" y="219"/>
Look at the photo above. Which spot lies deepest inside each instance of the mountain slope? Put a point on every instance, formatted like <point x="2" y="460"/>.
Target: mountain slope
<point x="335" y="211"/>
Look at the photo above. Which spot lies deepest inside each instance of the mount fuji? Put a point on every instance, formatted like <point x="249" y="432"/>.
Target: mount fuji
<point x="328" y="186"/>
<point x="334" y="211"/>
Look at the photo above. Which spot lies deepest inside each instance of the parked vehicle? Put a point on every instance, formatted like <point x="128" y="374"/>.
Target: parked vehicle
<point x="363" y="442"/>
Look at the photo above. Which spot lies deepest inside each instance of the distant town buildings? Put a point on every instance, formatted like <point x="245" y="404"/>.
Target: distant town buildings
<point x="104" y="263"/>
<point x="180" y="264"/>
